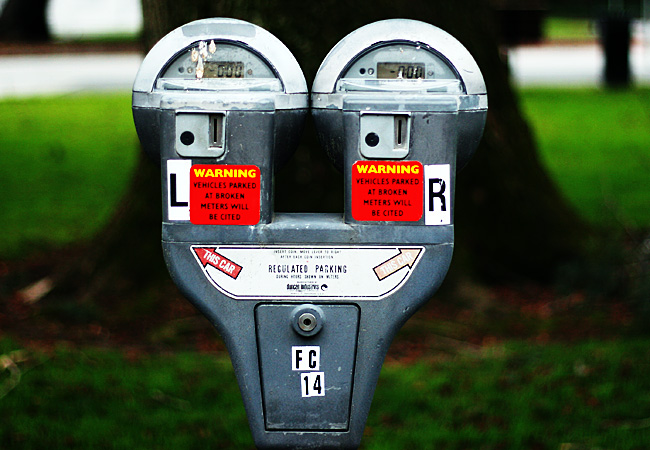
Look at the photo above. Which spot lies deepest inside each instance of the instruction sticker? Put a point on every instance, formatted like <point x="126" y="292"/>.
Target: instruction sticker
<point x="252" y="272"/>
<point x="224" y="194"/>
<point x="387" y="191"/>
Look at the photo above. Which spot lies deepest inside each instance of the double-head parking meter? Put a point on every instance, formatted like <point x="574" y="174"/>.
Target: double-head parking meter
<point x="308" y="304"/>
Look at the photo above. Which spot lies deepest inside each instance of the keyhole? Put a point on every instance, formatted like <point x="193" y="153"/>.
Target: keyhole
<point x="307" y="322"/>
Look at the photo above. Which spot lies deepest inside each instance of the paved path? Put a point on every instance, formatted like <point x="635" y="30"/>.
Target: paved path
<point x="26" y="75"/>
<point x="580" y="65"/>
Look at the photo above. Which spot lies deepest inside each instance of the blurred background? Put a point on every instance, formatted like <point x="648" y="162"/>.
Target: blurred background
<point x="539" y="337"/>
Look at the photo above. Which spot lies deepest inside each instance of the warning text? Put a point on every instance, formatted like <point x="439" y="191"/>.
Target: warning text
<point x="224" y="195"/>
<point x="387" y="191"/>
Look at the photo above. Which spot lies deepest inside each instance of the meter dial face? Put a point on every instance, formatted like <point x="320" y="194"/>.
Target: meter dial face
<point x="224" y="69"/>
<point x="406" y="71"/>
<point x="217" y="60"/>
<point x="400" y="62"/>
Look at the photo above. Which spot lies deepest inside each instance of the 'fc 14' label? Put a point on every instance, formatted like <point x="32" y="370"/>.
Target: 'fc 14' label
<point x="306" y="359"/>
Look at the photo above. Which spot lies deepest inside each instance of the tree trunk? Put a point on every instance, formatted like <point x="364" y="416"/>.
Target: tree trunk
<point x="24" y="21"/>
<point x="510" y="218"/>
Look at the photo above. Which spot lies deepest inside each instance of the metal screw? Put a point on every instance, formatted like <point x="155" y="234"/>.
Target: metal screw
<point x="307" y="321"/>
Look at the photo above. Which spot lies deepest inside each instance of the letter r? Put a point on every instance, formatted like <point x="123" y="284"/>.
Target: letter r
<point x="439" y="193"/>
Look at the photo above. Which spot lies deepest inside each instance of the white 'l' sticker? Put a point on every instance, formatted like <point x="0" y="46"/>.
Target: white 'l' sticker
<point x="178" y="189"/>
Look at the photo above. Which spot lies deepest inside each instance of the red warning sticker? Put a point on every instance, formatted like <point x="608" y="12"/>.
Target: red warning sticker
<point x="224" y="194"/>
<point x="387" y="191"/>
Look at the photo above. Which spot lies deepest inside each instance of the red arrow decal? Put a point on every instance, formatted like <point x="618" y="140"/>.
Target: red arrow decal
<point x="406" y="257"/>
<point x="208" y="256"/>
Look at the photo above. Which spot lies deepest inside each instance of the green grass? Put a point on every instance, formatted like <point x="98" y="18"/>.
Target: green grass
<point x="594" y="395"/>
<point x="568" y="29"/>
<point x="515" y="396"/>
<point x="99" y="399"/>
<point x="64" y="162"/>
<point x="596" y="144"/>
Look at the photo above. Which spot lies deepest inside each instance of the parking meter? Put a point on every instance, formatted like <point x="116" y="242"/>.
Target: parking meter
<point x="308" y="304"/>
<point x="400" y="107"/>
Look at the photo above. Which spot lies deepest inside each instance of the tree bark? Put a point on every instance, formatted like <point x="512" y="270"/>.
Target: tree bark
<point x="510" y="219"/>
<point x="24" y="21"/>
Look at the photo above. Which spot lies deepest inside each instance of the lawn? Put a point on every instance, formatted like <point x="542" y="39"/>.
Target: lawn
<point x="559" y="29"/>
<point x="596" y="145"/>
<point x="64" y="162"/>
<point x="592" y="395"/>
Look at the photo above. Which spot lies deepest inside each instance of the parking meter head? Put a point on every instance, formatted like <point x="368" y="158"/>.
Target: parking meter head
<point x="208" y="72"/>
<point x="386" y="71"/>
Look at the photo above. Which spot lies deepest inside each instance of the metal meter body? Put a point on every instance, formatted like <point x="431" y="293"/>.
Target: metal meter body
<point x="308" y="304"/>
<point x="219" y="92"/>
<point x="400" y="107"/>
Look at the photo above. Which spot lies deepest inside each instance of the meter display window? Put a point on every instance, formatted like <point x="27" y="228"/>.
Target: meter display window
<point x="218" y="62"/>
<point x="400" y="61"/>
<point x="400" y="67"/>
<point x="224" y="69"/>
<point x="408" y="71"/>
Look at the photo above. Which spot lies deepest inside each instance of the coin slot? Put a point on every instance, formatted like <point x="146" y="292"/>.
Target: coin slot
<point x="401" y="131"/>
<point x="216" y="130"/>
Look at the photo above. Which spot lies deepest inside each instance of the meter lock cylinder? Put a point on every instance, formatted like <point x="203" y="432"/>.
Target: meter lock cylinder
<point x="220" y="103"/>
<point x="400" y="106"/>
